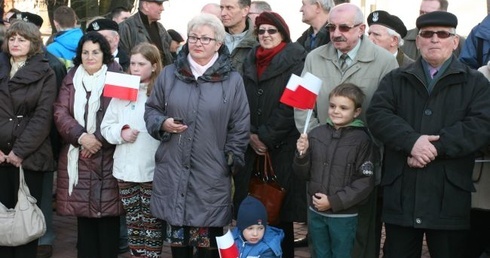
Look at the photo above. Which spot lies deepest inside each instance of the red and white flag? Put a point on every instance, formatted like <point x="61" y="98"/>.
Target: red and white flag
<point x="301" y="92"/>
<point x="226" y="246"/>
<point x="121" y="86"/>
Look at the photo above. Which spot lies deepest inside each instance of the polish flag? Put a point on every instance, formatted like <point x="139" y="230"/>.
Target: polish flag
<point x="301" y="92"/>
<point x="226" y="246"/>
<point x="121" y="86"/>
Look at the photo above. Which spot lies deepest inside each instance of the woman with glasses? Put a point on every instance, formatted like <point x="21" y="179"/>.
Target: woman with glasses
<point x="198" y="110"/>
<point x="267" y="70"/>
<point x="86" y="187"/>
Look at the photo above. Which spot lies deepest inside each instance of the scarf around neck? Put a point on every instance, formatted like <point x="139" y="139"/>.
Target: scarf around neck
<point x="84" y="83"/>
<point x="264" y="57"/>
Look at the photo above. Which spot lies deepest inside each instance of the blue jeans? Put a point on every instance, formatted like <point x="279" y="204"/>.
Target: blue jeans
<point x="47" y="209"/>
<point x="331" y="237"/>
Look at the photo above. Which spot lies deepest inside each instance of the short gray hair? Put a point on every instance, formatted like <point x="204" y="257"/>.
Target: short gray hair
<point x="326" y="5"/>
<point x="206" y="19"/>
<point x="392" y="32"/>
<point x="262" y="6"/>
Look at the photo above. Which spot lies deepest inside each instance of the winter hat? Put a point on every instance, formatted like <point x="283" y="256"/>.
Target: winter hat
<point x="275" y="19"/>
<point x="251" y="212"/>
<point x="387" y="20"/>
<point x="437" y="18"/>
<point x="29" y="17"/>
<point x="103" y="24"/>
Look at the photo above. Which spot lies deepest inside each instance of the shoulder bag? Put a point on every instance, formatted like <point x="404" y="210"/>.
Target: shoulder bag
<point x="25" y="222"/>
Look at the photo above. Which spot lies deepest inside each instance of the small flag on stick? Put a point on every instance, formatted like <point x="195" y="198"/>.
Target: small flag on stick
<point x="301" y="92"/>
<point x="121" y="86"/>
<point x="226" y="246"/>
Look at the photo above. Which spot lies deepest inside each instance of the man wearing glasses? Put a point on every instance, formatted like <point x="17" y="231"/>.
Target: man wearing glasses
<point x="349" y="57"/>
<point x="431" y="117"/>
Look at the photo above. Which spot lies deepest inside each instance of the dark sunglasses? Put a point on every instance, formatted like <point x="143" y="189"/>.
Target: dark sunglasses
<point x="270" y="31"/>
<point x="442" y="34"/>
<point x="342" y="27"/>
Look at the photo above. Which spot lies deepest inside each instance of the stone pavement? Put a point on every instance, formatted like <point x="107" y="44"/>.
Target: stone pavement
<point x="66" y="237"/>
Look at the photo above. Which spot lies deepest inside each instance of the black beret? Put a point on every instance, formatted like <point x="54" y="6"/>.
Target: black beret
<point x="103" y="24"/>
<point x="158" y="1"/>
<point x="175" y="35"/>
<point x="29" y="17"/>
<point x="387" y="20"/>
<point x="437" y="18"/>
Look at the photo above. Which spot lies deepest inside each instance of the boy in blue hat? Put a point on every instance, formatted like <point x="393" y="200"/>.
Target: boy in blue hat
<point x="252" y="235"/>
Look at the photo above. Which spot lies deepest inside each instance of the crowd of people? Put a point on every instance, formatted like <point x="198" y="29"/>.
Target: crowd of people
<point x="398" y="122"/>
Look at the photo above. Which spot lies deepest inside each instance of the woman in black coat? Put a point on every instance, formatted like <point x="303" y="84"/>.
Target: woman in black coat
<point x="267" y="70"/>
<point x="27" y="93"/>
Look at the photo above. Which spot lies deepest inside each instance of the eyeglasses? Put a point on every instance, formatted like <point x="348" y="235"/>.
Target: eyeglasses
<point x="204" y="40"/>
<point x="442" y="34"/>
<point x="270" y="31"/>
<point x="342" y="27"/>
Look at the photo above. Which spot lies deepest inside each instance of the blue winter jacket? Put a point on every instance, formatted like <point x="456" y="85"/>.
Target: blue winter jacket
<point x="469" y="53"/>
<point x="268" y="247"/>
<point x="65" y="45"/>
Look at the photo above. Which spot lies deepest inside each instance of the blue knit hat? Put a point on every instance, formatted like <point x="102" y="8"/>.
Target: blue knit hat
<point x="251" y="212"/>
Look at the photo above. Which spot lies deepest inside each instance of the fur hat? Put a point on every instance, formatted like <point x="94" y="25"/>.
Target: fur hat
<point x="251" y="212"/>
<point x="387" y="20"/>
<point x="437" y="18"/>
<point x="276" y="20"/>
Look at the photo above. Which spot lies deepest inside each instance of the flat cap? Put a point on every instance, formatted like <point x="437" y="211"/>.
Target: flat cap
<point x="175" y="35"/>
<point x="29" y="17"/>
<point x="103" y="24"/>
<point x="437" y="18"/>
<point x="387" y="20"/>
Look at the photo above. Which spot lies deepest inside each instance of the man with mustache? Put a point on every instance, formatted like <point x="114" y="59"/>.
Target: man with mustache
<point x="349" y="57"/>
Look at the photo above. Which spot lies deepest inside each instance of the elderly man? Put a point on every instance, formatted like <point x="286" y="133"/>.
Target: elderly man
<point x="256" y="8"/>
<point x="315" y="14"/>
<point x="426" y="6"/>
<point x="387" y="31"/>
<point x="109" y="29"/>
<point x="143" y="26"/>
<point x="240" y="37"/>
<point x="349" y="57"/>
<point x="431" y="117"/>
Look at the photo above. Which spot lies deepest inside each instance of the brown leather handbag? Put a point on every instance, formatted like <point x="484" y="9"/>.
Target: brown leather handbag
<point x="264" y="186"/>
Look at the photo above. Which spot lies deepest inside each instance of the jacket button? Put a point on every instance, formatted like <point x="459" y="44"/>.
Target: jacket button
<point x="187" y="166"/>
<point x="259" y="111"/>
<point x="10" y="119"/>
<point x="428" y="112"/>
<point x="418" y="221"/>
<point x="182" y="195"/>
<point x="260" y="92"/>
<point x="98" y="214"/>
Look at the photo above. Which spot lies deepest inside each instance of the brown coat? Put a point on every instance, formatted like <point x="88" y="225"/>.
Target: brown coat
<point x="96" y="194"/>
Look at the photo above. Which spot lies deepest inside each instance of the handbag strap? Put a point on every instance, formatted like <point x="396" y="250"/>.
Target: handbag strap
<point x="22" y="182"/>
<point x="268" y="167"/>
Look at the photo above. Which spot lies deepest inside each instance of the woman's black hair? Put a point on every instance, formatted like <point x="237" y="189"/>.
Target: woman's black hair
<point x="95" y="37"/>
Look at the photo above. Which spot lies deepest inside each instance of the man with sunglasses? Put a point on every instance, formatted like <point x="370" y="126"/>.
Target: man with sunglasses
<point x="432" y="116"/>
<point x="349" y="57"/>
<point x="426" y="6"/>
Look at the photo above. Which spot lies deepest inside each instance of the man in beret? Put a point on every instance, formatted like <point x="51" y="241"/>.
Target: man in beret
<point x="426" y="6"/>
<point x="387" y="31"/>
<point x="176" y="42"/>
<point x="143" y="26"/>
<point x="110" y="30"/>
<point x="432" y="116"/>
<point x="349" y="57"/>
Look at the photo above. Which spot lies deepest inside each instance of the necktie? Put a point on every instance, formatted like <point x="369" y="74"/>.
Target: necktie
<point x="343" y="62"/>
<point x="433" y="72"/>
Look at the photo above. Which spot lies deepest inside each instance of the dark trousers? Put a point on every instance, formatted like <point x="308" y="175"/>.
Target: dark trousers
<point x="98" y="237"/>
<point x="406" y="242"/>
<point x="9" y="187"/>
<point x="479" y="240"/>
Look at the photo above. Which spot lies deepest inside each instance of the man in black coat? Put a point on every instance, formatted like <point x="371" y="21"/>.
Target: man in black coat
<point x="432" y="116"/>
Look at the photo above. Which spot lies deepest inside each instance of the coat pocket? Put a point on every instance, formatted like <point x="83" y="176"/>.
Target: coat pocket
<point x="456" y="202"/>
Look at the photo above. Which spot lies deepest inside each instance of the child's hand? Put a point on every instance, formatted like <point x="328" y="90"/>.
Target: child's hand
<point x="320" y="202"/>
<point x="302" y="144"/>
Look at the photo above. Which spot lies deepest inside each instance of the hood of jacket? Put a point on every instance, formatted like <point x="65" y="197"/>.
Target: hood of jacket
<point x="218" y="72"/>
<point x="69" y="39"/>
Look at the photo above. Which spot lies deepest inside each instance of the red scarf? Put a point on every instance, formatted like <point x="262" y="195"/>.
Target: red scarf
<point x="264" y="57"/>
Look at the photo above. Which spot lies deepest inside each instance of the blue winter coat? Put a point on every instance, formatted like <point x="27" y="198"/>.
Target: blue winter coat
<point x="64" y="46"/>
<point x="268" y="247"/>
